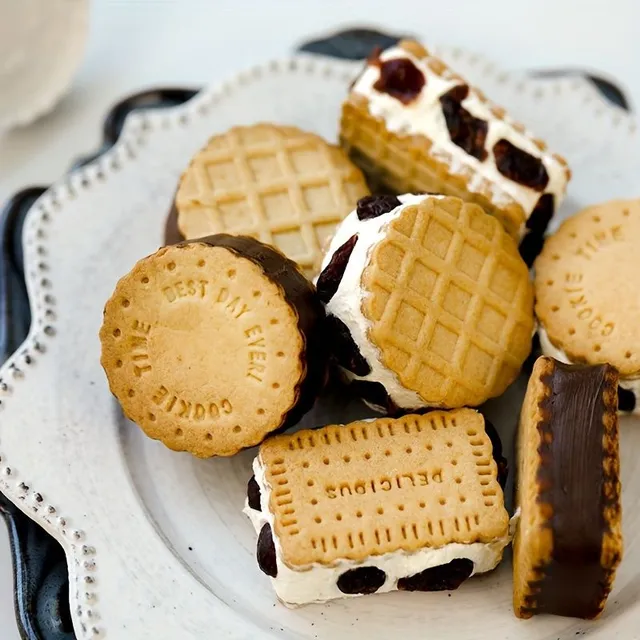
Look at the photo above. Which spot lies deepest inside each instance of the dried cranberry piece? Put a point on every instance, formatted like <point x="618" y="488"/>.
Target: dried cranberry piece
<point x="376" y="395"/>
<point x="401" y="79"/>
<point x="531" y="245"/>
<point x="626" y="399"/>
<point x="496" y="443"/>
<point x="465" y="130"/>
<point x="542" y="213"/>
<point x="266" y="552"/>
<point x="363" y="580"/>
<point x="374" y="206"/>
<point x="253" y="494"/>
<point x="344" y="348"/>
<point x="520" y="166"/>
<point x="330" y="278"/>
<point x="445" y="577"/>
<point x="530" y="248"/>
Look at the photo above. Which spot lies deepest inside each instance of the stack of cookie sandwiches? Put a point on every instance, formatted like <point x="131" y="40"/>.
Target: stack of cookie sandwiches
<point x="282" y="271"/>
<point x="414" y="125"/>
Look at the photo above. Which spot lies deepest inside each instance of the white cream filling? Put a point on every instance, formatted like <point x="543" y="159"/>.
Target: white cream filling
<point x="424" y="116"/>
<point x="549" y="349"/>
<point x="318" y="583"/>
<point x="346" y="303"/>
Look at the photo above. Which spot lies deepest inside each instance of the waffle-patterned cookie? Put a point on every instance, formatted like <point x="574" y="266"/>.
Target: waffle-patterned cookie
<point x="414" y="126"/>
<point x="286" y="187"/>
<point x="365" y="507"/>
<point x="213" y="344"/>
<point x="568" y="543"/>
<point x="436" y="299"/>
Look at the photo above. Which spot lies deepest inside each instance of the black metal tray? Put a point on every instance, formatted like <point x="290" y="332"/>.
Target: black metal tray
<point x="40" y="570"/>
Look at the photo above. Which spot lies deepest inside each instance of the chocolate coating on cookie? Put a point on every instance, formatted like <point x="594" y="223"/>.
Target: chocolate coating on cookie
<point x="266" y="552"/>
<point x="302" y="296"/>
<point x="253" y="494"/>
<point x="465" y="130"/>
<point x="445" y="577"/>
<point x="363" y="580"/>
<point x="579" y="480"/>
<point x="345" y="350"/>
<point x="374" y="206"/>
<point x="331" y="276"/>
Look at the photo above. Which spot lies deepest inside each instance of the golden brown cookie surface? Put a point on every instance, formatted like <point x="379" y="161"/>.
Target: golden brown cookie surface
<point x="450" y="302"/>
<point x="370" y="488"/>
<point x="404" y="152"/>
<point x="286" y="187"/>
<point x="587" y="291"/>
<point x="203" y="350"/>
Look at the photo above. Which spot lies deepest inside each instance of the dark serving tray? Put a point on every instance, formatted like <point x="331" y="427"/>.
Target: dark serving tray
<point x="40" y="570"/>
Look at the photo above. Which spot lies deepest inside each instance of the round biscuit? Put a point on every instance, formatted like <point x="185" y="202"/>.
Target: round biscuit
<point x="202" y="349"/>
<point x="286" y="187"/>
<point x="450" y="302"/>
<point x="587" y="293"/>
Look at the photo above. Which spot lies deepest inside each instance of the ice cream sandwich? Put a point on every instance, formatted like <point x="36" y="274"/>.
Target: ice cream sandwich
<point x="588" y="295"/>
<point x="286" y="187"/>
<point x="568" y="542"/>
<point x="409" y="504"/>
<point x="415" y="126"/>
<point x="211" y="345"/>
<point x="428" y="302"/>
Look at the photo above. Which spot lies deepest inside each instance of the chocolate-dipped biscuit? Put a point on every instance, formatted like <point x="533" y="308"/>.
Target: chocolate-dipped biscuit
<point x="212" y="344"/>
<point x="569" y="541"/>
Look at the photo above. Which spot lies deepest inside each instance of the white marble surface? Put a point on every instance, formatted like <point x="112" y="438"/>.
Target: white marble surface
<point x="144" y="43"/>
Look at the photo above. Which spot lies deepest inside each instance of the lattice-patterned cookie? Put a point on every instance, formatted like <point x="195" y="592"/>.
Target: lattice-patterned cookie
<point x="568" y="543"/>
<point x="412" y="504"/>
<point x="211" y="345"/>
<point x="283" y="186"/>
<point x="428" y="301"/>
<point x="587" y="293"/>
<point x="414" y="126"/>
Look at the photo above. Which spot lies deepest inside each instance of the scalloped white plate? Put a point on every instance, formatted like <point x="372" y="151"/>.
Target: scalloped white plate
<point x="156" y="541"/>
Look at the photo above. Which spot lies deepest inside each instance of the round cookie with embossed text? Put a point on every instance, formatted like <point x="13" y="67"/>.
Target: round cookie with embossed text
<point x="211" y="345"/>
<point x="587" y="289"/>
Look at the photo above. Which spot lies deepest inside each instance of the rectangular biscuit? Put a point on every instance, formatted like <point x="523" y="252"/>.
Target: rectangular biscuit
<point x="360" y="493"/>
<point x="569" y="542"/>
